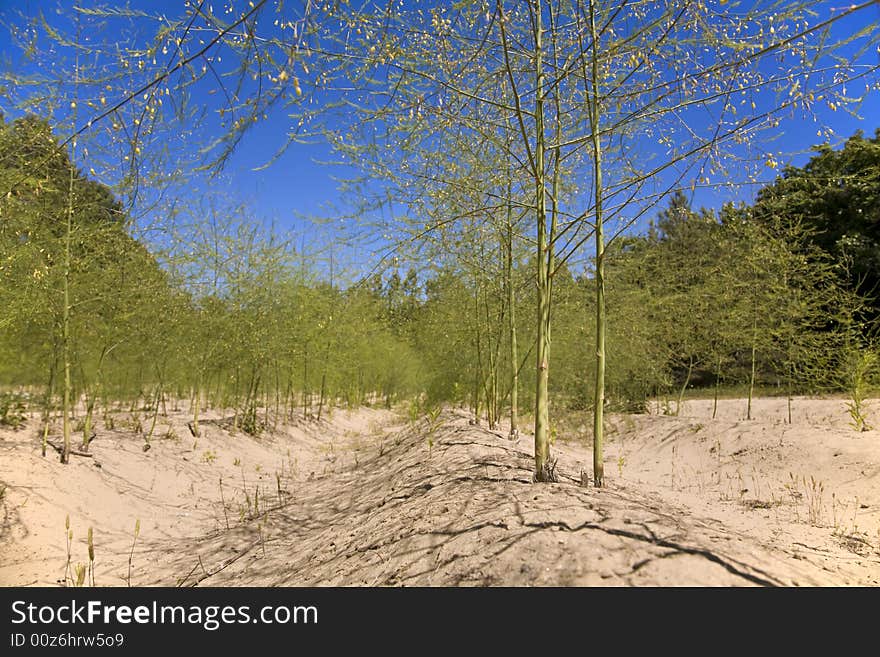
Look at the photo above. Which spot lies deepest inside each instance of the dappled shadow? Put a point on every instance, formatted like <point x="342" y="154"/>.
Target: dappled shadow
<point x="452" y="504"/>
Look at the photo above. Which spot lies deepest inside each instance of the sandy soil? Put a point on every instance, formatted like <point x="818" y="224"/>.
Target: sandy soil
<point x="366" y="499"/>
<point x="174" y="489"/>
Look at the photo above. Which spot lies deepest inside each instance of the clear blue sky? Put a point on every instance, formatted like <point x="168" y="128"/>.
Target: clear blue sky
<point x="296" y="185"/>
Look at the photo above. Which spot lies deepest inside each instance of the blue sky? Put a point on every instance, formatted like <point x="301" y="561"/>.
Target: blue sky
<point x="294" y="188"/>
<point x="297" y="185"/>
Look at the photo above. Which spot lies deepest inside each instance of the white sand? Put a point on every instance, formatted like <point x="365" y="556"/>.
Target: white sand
<point x="690" y="501"/>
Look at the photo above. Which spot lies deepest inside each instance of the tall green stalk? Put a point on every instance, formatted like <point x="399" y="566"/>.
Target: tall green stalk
<point x="544" y="246"/>
<point x="687" y="380"/>
<point x="754" y="354"/>
<point x="599" y="394"/>
<point x="717" y="386"/>
<point x="65" y="311"/>
<point x="511" y="310"/>
<point x="542" y="391"/>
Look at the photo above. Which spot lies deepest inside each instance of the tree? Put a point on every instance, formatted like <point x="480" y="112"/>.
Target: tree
<point x="835" y="196"/>
<point x="74" y="277"/>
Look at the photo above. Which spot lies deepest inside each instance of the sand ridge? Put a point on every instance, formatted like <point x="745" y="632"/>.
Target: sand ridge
<point x="366" y="499"/>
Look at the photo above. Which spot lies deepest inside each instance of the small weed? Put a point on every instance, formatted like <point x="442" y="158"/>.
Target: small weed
<point x="760" y="504"/>
<point x="856" y="542"/>
<point x="91" y="546"/>
<point x="12" y="411"/>
<point x="548" y="472"/>
<point x="134" y="423"/>
<point x="80" y="570"/>
<point x="674" y="460"/>
<point x="846" y="530"/>
<point x="812" y="492"/>
<point x="68" y="536"/>
<point x="137" y="531"/>
<point x="414" y="410"/>
<point x="247" y="504"/>
<point x="251" y="425"/>
<point x="209" y="456"/>
<point x="434" y="414"/>
<point x="861" y="367"/>
<point x="223" y="502"/>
